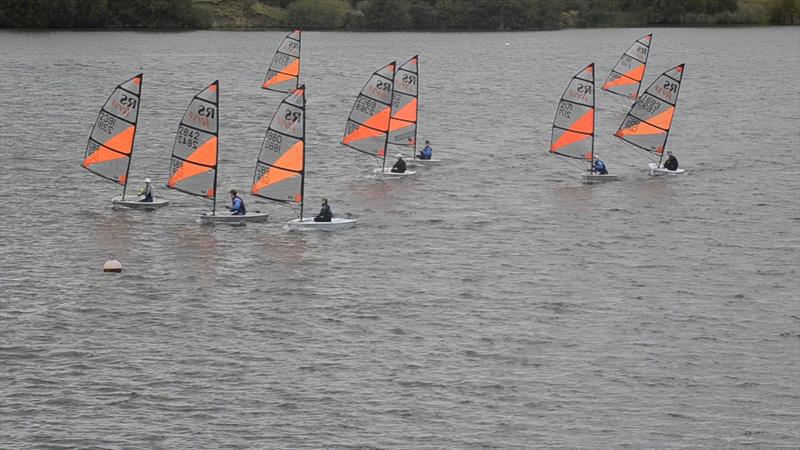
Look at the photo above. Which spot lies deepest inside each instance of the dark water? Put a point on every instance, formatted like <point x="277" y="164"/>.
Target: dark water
<point x="493" y="301"/>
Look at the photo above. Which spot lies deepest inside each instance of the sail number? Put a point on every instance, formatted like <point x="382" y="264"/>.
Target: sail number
<point x="366" y="105"/>
<point x="565" y="110"/>
<point x="106" y="122"/>
<point x="273" y="142"/>
<point x="188" y="137"/>
<point x="281" y="59"/>
<point x="649" y="104"/>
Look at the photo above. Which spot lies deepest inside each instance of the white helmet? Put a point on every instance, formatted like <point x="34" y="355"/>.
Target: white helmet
<point x="147" y="180"/>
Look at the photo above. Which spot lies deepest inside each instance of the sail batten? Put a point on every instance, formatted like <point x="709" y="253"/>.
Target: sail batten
<point x="648" y="123"/>
<point x="573" y="125"/>
<point x="367" y="128"/>
<point x="280" y="167"/>
<point x="283" y="73"/>
<point x="195" y="153"/>
<point x="626" y="77"/>
<point x="109" y="149"/>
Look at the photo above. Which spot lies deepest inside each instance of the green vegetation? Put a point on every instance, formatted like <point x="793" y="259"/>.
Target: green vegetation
<point x="393" y="14"/>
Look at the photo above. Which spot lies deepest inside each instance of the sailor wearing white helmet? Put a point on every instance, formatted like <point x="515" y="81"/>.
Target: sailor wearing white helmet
<point x="146" y="191"/>
<point x="400" y="165"/>
<point x="598" y="165"/>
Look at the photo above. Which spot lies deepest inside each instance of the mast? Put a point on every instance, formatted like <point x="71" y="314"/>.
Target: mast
<point x="284" y="71"/>
<point x="648" y="123"/>
<point x="303" y="170"/>
<point x="405" y="105"/>
<point x="367" y="126"/>
<point x="133" y="139"/>
<point x="216" y="171"/>
<point x="629" y="70"/>
<point x="416" y="114"/>
<point x="280" y="168"/>
<point x="573" y="125"/>
<point x="110" y="146"/>
<point x="195" y="154"/>
<point x="594" y="122"/>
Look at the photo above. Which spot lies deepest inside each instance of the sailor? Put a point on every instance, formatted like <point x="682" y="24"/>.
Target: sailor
<point x="237" y="204"/>
<point x="671" y="163"/>
<point x="599" y="166"/>
<point x="325" y="213"/>
<point x="146" y="191"/>
<point x="400" y="165"/>
<point x="426" y="152"/>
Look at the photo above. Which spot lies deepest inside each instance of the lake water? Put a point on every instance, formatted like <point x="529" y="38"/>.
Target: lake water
<point x="493" y="301"/>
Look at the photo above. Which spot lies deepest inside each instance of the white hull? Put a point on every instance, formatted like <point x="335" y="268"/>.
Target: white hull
<point x="423" y="162"/>
<point x="136" y="204"/>
<point x="226" y="217"/>
<point x="308" y="224"/>
<point x="597" y="178"/>
<point x="655" y="170"/>
<point x="387" y="173"/>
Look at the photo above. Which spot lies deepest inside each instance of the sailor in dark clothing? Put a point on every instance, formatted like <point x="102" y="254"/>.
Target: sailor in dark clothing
<point x="146" y="192"/>
<point x="325" y="213"/>
<point x="237" y="204"/>
<point x="599" y="166"/>
<point x="400" y="165"/>
<point x="671" y="163"/>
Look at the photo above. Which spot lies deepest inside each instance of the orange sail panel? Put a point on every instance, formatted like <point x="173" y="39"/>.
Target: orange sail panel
<point x="195" y="153"/>
<point x="281" y="162"/>
<point x="367" y="127"/>
<point x="110" y="148"/>
<point x="284" y="70"/>
<point x="403" y="123"/>
<point x="647" y="124"/>
<point x="626" y="77"/>
<point x="573" y="126"/>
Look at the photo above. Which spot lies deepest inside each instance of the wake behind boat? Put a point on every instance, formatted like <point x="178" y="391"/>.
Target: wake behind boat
<point x="109" y="151"/>
<point x="195" y="155"/>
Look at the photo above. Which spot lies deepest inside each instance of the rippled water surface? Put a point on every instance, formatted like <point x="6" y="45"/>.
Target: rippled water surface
<point x="493" y="301"/>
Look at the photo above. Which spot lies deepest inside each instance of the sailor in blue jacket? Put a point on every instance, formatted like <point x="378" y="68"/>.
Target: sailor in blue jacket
<point x="426" y="152"/>
<point x="599" y="166"/>
<point x="237" y="204"/>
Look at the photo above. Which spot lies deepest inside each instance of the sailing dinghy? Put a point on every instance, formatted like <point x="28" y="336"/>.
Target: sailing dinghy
<point x="573" y="127"/>
<point x="626" y="77"/>
<point x="280" y="169"/>
<point x="367" y="129"/>
<point x="405" y="109"/>
<point x="284" y="71"/>
<point x="195" y="155"/>
<point x="110" y="148"/>
<point x="647" y="124"/>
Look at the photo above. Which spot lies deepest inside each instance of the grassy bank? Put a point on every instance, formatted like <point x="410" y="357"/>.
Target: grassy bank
<point x="394" y="14"/>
